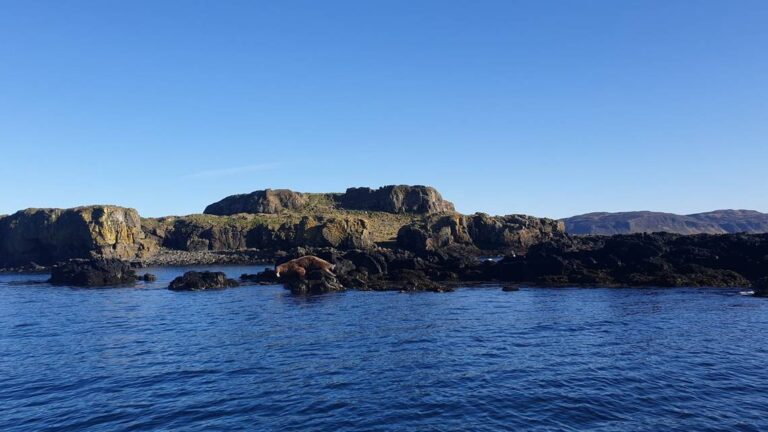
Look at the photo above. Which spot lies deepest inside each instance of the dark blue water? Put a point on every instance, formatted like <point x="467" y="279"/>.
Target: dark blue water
<point x="256" y="358"/>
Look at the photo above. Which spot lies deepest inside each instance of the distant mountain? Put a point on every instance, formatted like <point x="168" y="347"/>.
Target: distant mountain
<point x="715" y="222"/>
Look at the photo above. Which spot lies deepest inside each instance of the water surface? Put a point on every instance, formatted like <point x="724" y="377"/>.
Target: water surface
<point x="257" y="358"/>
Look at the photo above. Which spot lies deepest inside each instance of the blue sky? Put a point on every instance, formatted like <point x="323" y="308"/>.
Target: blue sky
<point x="550" y="108"/>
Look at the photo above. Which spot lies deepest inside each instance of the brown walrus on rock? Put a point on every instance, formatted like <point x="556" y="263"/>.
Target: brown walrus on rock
<point x="299" y="267"/>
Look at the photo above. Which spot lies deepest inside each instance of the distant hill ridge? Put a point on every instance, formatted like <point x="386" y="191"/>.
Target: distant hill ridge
<point x="714" y="222"/>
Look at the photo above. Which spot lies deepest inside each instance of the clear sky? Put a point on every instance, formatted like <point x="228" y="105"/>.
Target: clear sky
<point x="550" y="108"/>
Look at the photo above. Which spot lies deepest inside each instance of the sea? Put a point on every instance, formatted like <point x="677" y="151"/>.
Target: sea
<point x="142" y="358"/>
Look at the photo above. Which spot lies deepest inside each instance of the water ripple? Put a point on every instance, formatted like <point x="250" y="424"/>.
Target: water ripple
<point x="144" y="358"/>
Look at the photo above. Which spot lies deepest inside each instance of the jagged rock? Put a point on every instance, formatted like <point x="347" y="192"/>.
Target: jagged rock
<point x="261" y="201"/>
<point x="395" y="199"/>
<point x="199" y="281"/>
<point x="513" y="233"/>
<point x="196" y="234"/>
<point x="47" y="236"/>
<point x="91" y="273"/>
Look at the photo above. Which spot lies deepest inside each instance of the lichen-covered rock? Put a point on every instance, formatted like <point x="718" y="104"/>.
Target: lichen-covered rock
<point x="229" y="233"/>
<point x="395" y="199"/>
<point x="514" y="233"/>
<point x="261" y="201"/>
<point x="342" y="233"/>
<point x="200" y="281"/>
<point x="46" y="236"/>
<point x="92" y="273"/>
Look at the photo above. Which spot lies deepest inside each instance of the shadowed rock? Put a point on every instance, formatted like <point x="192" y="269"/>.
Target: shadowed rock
<point x="199" y="281"/>
<point x="92" y="273"/>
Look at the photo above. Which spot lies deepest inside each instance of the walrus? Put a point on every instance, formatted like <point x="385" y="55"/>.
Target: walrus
<point x="299" y="267"/>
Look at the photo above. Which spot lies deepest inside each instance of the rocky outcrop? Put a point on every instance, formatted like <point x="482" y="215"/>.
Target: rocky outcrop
<point x="92" y="273"/>
<point x="261" y="201"/>
<point x="389" y="199"/>
<point x="46" y="236"/>
<point x="395" y="199"/>
<point x="200" y="281"/>
<point x="716" y="222"/>
<point x="220" y="233"/>
<point x="479" y="232"/>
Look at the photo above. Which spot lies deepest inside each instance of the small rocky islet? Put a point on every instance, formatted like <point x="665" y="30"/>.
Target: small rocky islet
<point x="405" y="238"/>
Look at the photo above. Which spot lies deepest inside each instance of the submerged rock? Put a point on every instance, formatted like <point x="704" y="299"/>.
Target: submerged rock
<point x="92" y="273"/>
<point x="199" y="281"/>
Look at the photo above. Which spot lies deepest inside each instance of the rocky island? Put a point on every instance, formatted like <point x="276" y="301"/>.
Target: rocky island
<point x="394" y="237"/>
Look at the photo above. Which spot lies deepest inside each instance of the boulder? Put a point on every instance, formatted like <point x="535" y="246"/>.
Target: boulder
<point x="199" y="281"/>
<point x="395" y="199"/>
<point x="47" y="236"/>
<point x="260" y="201"/>
<point x="92" y="273"/>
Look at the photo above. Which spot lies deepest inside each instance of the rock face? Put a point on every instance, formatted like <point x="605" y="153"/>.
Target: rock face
<point x="199" y="281"/>
<point x="395" y="199"/>
<point x="716" y="222"/>
<point x="92" y="273"/>
<point x="212" y="233"/>
<point x="46" y="236"/>
<point x="513" y="233"/>
<point x="261" y="201"/>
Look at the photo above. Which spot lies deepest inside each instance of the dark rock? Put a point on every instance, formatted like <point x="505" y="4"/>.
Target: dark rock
<point x="198" y="281"/>
<point x="265" y="277"/>
<point x="641" y="260"/>
<point x="761" y="287"/>
<point x="395" y="199"/>
<point x="315" y="282"/>
<point x="149" y="277"/>
<point x="261" y="201"/>
<point x="92" y="273"/>
<point x="510" y="288"/>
